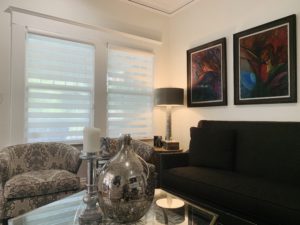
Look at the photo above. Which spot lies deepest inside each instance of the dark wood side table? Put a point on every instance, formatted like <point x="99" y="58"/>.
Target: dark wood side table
<point x="156" y="161"/>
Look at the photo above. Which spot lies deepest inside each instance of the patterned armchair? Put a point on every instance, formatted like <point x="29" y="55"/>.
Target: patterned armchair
<point x="110" y="146"/>
<point x="32" y="175"/>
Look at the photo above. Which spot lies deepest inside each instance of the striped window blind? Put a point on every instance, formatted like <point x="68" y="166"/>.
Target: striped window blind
<point x="59" y="98"/>
<point x="129" y="92"/>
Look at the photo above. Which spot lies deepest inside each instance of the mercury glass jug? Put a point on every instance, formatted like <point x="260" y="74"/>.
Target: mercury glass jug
<point x="122" y="185"/>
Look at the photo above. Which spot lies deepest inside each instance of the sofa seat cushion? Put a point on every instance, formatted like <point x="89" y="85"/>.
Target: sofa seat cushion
<point x="40" y="182"/>
<point x="251" y="196"/>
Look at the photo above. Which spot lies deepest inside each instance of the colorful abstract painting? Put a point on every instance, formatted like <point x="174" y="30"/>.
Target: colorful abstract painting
<point x="264" y="63"/>
<point x="206" y="74"/>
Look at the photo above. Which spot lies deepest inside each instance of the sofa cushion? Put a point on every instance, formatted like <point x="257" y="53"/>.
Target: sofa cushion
<point x="40" y="182"/>
<point x="272" y="153"/>
<point x="264" y="148"/>
<point x="255" y="197"/>
<point x="212" y="148"/>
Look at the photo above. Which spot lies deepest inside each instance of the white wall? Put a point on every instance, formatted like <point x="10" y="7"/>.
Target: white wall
<point x="198" y="24"/>
<point x="4" y="74"/>
<point x="206" y="21"/>
<point x="112" y="14"/>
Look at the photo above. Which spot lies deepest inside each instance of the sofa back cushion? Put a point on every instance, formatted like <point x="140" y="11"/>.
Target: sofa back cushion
<point x="266" y="149"/>
<point x="212" y="148"/>
<point x="270" y="153"/>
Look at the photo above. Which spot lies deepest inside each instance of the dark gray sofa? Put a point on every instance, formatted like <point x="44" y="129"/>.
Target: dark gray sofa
<point x="241" y="169"/>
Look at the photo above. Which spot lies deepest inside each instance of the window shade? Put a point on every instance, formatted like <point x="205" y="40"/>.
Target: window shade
<point x="130" y="92"/>
<point x="59" y="89"/>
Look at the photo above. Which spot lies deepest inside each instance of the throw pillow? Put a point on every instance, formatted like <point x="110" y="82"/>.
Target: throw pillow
<point x="212" y="148"/>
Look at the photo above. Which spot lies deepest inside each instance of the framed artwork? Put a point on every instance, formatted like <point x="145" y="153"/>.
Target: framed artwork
<point x="206" y="74"/>
<point x="265" y="63"/>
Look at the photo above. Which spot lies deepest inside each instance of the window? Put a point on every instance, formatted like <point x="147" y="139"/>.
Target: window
<point x="59" y="89"/>
<point x="130" y="92"/>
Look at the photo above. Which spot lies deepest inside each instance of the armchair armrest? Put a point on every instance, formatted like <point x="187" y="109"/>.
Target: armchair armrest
<point x="168" y="161"/>
<point x="72" y="157"/>
<point x="4" y="167"/>
<point x="143" y="149"/>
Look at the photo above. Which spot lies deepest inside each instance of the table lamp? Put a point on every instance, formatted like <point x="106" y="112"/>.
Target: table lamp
<point x="168" y="97"/>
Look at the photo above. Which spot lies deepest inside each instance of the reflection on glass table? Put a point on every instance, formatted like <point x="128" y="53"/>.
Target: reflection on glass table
<point x="66" y="211"/>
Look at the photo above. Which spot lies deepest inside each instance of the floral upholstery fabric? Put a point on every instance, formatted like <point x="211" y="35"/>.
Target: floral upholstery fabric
<point x="4" y="167"/>
<point x="40" y="182"/>
<point x="2" y="201"/>
<point x="110" y="146"/>
<point x="30" y="173"/>
<point x="17" y="207"/>
<point x="39" y="156"/>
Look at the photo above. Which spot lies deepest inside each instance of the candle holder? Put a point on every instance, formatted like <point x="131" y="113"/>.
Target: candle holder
<point x="91" y="214"/>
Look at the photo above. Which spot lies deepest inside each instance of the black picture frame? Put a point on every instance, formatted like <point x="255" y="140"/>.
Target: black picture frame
<point x="265" y="68"/>
<point x="207" y="74"/>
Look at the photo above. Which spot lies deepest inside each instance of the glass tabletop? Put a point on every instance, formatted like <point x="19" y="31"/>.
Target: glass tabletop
<point x="164" y="210"/>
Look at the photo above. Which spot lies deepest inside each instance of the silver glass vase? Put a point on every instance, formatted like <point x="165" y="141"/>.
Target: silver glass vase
<point x="122" y="185"/>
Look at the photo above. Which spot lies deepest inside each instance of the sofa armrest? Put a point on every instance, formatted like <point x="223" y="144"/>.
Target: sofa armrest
<point x="4" y="167"/>
<point x="172" y="160"/>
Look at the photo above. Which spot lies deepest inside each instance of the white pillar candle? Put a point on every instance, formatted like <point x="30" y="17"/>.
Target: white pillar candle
<point x="91" y="139"/>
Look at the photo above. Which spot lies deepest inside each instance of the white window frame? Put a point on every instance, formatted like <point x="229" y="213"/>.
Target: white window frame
<point x="22" y="24"/>
<point x="23" y="21"/>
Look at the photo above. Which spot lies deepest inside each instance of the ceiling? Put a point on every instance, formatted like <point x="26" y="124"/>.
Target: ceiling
<point x="167" y="7"/>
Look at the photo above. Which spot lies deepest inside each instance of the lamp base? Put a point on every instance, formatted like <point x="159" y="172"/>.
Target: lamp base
<point x="171" y="145"/>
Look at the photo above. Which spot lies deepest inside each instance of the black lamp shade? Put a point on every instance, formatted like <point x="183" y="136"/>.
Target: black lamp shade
<point x="168" y="96"/>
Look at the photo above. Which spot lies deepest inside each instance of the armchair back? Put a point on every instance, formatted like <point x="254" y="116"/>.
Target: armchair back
<point x="39" y="156"/>
<point x="110" y="146"/>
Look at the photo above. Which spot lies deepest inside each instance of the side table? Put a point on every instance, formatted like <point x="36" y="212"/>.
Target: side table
<point x="156" y="160"/>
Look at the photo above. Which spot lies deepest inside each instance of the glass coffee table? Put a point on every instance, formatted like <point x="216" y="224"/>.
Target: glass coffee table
<point x="165" y="209"/>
